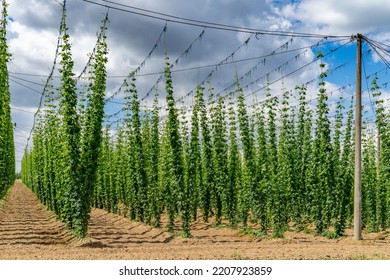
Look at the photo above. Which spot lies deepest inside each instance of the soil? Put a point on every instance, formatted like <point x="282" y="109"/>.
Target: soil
<point x="29" y="231"/>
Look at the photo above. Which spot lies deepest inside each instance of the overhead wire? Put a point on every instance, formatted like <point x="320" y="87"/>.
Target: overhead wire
<point x="278" y="68"/>
<point x="194" y="67"/>
<point x="24" y="80"/>
<point x="21" y="110"/>
<point x="159" y="79"/>
<point x="375" y="48"/>
<point x="273" y="53"/>
<point x="284" y="64"/>
<point x="205" y="24"/>
<point x="339" y="89"/>
<point x="176" y="62"/>
<point x="368" y="88"/>
<point x="134" y="72"/>
<point x="297" y="70"/>
<point x="23" y="85"/>
<point x="366" y="77"/>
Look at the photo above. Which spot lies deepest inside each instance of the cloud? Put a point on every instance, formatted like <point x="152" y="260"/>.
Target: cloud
<point x="340" y="17"/>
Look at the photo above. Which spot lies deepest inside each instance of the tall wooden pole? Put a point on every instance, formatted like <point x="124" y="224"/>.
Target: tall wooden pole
<point x="358" y="144"/>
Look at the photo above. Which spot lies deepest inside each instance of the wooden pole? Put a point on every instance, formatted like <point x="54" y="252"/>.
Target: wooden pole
<point x="358" y="144"/>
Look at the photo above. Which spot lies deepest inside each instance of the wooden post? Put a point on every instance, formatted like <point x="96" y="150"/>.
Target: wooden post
<point x="358" y="144"/>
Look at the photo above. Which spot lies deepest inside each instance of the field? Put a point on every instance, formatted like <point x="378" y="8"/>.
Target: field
<point x="29" y="231"/>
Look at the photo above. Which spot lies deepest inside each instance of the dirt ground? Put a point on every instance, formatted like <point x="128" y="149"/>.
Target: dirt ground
<point x="28" y="231"/>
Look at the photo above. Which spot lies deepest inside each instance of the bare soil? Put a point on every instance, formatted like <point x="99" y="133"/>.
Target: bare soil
<point x="29" y="231"/>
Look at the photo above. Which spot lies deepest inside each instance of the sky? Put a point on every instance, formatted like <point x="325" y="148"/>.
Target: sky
<point x="205" y="54"/>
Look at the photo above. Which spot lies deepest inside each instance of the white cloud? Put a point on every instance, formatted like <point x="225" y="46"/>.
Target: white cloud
<point x="31" y="48"/>
<point x="340" y="17"/>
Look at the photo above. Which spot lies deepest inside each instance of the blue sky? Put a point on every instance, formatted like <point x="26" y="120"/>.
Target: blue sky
<point x="33" y="32"/>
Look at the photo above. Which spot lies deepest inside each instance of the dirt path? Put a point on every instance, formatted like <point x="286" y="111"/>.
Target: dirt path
<point x="29" y="231"/>
<point x="25" y="224"/>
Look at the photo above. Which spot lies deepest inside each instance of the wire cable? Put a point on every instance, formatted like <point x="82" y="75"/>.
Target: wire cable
<point x="204" y="24"/>
<point x="133" y="73"/>
<point x="23" y="85"/>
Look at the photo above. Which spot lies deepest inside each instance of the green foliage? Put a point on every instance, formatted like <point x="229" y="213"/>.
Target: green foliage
<point x="320" y="179"/>
<point x="383" y="187"/>
<point x="7" y="149"/>
<point x="207" y="181"/>
<point x="175" y="154"/>
<point x="248" y="188"/>
<point x="234" y="168"/>
<point x="138" y="160"/>
<point x="260" y="208"/>
<point x="69" y="137"/>
<point x="369" y="184"/>
<point x="299" y="194"/>
<point x="92" y="131"/>
<point x="220" y="159"/>
<point x="194" y="163"/>
<point x="120" y="170"/>
<point x="62" y="163"/>
<point x="284" y="176"/>
<point x="155" y="192"/>
<point x="272" y="162"/>
<point x="345" y="177"/>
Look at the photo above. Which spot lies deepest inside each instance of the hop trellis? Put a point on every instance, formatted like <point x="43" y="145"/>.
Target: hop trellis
<point x="265" y="167"/>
